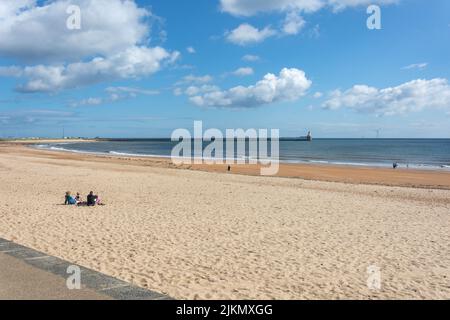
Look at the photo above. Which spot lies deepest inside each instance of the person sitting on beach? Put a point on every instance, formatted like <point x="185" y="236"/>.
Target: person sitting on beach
<point x="78" y="197"/>
<point x="98" y="201"/>
<point x="69" y="199"/>
<point x="91" y="199"/>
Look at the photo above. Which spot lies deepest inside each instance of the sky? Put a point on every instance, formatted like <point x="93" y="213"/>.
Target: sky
<point x="143" y="68"/>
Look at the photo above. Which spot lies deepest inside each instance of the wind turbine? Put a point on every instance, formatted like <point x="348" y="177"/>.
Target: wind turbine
<point x="378" y="133"/>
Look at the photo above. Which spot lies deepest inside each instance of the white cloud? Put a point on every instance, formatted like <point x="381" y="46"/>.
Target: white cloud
<point x="194" y="90"/>
<point x="132" y="91"/>
<point x="253" y="7"/>
<point x="242" y="72"/>
<point x="195" y="85"/>
<point x="90" y="102"/>
<point x="177" y="91"/>
<point x="12" y="7"/>
<point x="111" y="44"/>
<point x="191" y="50"/>
<point x="11" y="71"/>
<point x="115" y="94"/>
<point x="39" y="34"/>
<point x="289" y="85"/>
<point x="196" y="79"/>
<point x="413" y="96"/>
<point x="135" y="62"/>
<point x="246" y="34"/>
<point x="318" y="95"/>
<point x="314" y="32"/>
<point x="416" y="66"/>
<point x="338" y="5"/>
<point x="250" y="58"/>
<point x="293" y="23"/>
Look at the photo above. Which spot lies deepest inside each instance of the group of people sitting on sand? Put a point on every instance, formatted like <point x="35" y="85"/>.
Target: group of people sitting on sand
<point x="92" y="200"/>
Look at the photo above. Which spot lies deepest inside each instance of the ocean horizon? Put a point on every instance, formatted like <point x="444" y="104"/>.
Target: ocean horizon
<point x="383" y="152"/>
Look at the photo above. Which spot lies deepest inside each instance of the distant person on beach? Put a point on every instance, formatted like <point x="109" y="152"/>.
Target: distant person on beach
<point x="395" y="165"/>
<point x="78" y="198"/>
<point x="69" y="200"/>
<point x="91" y="199"/>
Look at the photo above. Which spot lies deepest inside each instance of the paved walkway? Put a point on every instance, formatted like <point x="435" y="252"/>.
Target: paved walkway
<point x="20" y="281"/>
<point x="27" y="274"/>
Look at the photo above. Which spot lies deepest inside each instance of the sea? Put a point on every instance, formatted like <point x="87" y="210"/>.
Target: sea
<point x="433" y="154"/>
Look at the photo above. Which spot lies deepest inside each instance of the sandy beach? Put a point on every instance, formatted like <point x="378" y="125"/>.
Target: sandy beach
<point x="193" y="234"/>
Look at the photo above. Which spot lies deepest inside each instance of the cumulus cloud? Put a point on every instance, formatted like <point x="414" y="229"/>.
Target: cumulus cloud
<point x="191" y="50"/>
<point x="293" y="23"/>
<point x="413" y="96"/>
<point x="289" y="85"/>
<point x="246" y="34"/>
<point x="134" y="62"/>
<point x="252" y="7"/>
<point x="111" y="45"/>
<point x="39" y="34"/>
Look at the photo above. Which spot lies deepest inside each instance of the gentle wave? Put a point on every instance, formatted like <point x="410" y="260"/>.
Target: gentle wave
<point x="60" y="149"/>
<point x="115" y="153"/>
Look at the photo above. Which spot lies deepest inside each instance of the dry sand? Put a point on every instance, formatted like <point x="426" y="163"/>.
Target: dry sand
<point x="210" y="235"/>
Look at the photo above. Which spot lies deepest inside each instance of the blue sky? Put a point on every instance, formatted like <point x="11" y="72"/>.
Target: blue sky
<point x="144" y="68"/>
